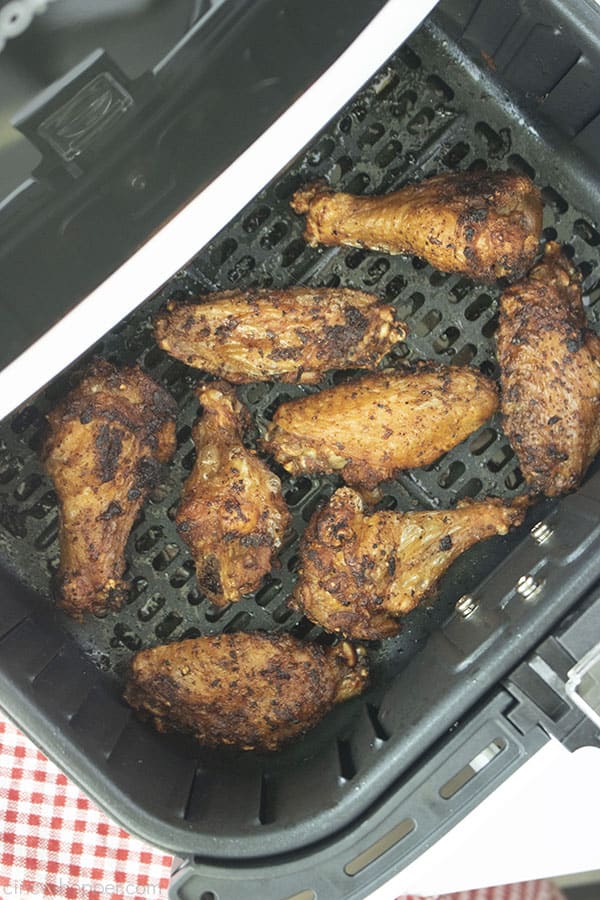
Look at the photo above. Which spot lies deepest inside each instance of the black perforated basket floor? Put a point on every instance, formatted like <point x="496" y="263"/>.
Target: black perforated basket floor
<point x="414" y="119"/>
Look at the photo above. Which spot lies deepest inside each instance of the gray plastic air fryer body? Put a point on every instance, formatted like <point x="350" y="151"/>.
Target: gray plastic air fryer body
<point x="385" y="775"/>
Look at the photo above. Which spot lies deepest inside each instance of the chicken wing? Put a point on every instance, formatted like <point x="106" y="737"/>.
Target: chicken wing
<point x="232" y="514"/>
<point x="251" y="691"/>
<point x="359" y="573"/>
<point x="295" y="334"/>
<point x="105" y="443"/>
<point x="550" y="375"/>
<point x="483" y="224"/>
<point x="370" y="427"/>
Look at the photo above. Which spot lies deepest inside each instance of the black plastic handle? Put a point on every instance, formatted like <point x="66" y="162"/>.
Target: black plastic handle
<point x="471" y="763"/>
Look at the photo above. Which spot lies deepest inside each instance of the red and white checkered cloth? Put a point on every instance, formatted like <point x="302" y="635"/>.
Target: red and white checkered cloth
<point x="57" y="843"/>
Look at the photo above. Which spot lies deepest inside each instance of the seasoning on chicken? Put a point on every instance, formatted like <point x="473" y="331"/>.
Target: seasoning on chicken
<point x="360" y="573"/>
<point x="483" y="224"/>
<point x="106" y="441"/>
<point x="371" y="427"/>
<point x="293" y="334"/>
<point x="550" y="375"/>
<point x="232" y="514"/>
<point x="253" y="691"/>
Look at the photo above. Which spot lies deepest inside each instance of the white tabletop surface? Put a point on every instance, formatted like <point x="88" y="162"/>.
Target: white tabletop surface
<point x="542" y="822"/>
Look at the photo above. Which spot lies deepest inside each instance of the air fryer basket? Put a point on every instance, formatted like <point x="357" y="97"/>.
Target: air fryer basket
<point x="428" y="110"/>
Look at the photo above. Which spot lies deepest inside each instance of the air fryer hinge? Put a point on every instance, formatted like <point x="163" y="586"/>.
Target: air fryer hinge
<point x="541" y="684"/>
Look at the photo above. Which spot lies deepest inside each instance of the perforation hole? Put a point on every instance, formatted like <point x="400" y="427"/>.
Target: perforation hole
<point x="379" y="728"/>
<point x="44" y="505"/>
<point x="27" y="487"/>
<point x="549" y="234"/>
<point x="428" y="323"/>
<point x="404" y="104"/>
<point x="238" y="623"/>
<point x="439" y="87"/>
<point x="471" y="489"/>
<point x="137" y="587"/>
<point x="519" y="165"/>
<point x="242" y="269"/>
<point x="274" y="235"/>
<point x="321" y="152"/>
<point x="256" y="218"/>
<point x="394" y="286"/>
<point x="456" y="154"/>
<point x="151" y="607"/>
<point x="376" y="271"/>
<point x="554" y="200"/>
<point x="148" y="539"/>
<point x="213" y="612"/>
<point x="454" y="471"/>
<point x="437" y="279"/>
<point x="478" y="165"/>
<point x="281" y="613"/>
<point x="489" y="329"/>
<point x="465" y="356"/>
<point x="586" y="268"/>
<point x="347" y="764"/>
<point x="47" y="536"/>
<point x="298" y="491"/>
<point x="443" y="343"/>
<point x="373" y="133"/>
<point x="358" y="183"/>
<point x="124" y="636"/>
<point x="460" y="290"/>
<point x="489" y="368"/>
<point x="411" y="305"/>
<point x="484" y="440"/>
<point x="166" y="556"/>
<point x="288" y="185"/>
<point x="478" y="306"/>
<point x="168" y="625"/>
<point x="497" y="143"/>
<point x="421" y="122"/>
<point x="223" y="251"/>
<point x="388" y="153"/>
<point x="302" y="628"/>
<point x="514" y="480"/>
<point x="268" y="592"/>
<point x="343" y="165"/>
<point x="181" y="575"/>
<point x="292" y="252"/>
<point x="586" y="232"/>
<point x="500" y="457"/>
<point x="355" y="258"/>
<point x="409" y="57"/>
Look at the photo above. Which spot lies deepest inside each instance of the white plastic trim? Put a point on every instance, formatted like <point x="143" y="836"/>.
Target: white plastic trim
<point x="204" y="216"/>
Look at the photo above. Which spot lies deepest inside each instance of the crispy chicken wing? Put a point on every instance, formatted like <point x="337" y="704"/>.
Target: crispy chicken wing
<point x="232" y="513"/>
<point x="550" y="375"/>
<point x="295" y="334"/>
<point x="359" y="573"/>
<point x="370" y="427"/>
<point x="484" y="224"/>
<point x="105" y="443"/>
<point x="252" y="691"/>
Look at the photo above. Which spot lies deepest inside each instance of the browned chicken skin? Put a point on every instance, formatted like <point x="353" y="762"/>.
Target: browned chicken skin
<point x="251" y="691"/>
<point x="550" y="375"/>
<point x="370" y="427"/>
<point x="106" y="441"/>
<point x="359" y="573"/>
<point x="483" y="224"/>
<point x="293" y="334"/>
<point x="232" y="514"/>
